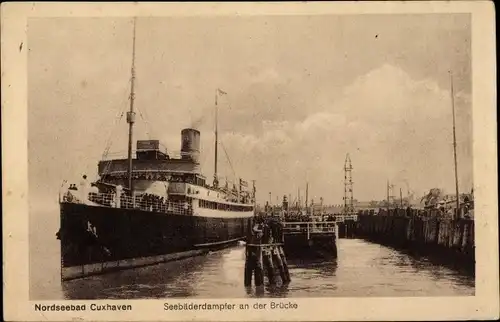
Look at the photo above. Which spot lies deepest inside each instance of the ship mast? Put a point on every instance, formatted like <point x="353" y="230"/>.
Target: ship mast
<point x="131" y="114"/>
<point x="307" y="197"/>
<point x="218" y="92"/>
<point x="216" y="181"/>
<point x="454" y="145"/>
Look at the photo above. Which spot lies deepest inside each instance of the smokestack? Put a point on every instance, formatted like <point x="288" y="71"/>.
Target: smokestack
<point x="190" y="145"/>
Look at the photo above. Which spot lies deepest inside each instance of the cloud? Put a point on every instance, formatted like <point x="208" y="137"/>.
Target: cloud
<point x="263" y="75"/>
<point x="322" y="121"/>
<point x="290" y="115"/>
<point x="393" y="126"/>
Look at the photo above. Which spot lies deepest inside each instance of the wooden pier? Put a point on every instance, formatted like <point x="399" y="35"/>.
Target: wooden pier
<point x="421" y="231"/>
<point x="310" y="239"/>
<point x="264" y="256"/>
<point x="347" y="227"/>
<point x="266" y="260"/>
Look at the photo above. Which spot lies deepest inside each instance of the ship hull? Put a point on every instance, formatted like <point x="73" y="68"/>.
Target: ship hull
<point x="98" y="239"/>
<point x="313" y="246"/>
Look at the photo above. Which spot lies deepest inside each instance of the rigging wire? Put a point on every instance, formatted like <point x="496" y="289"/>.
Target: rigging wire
<point x="228" y="159"/>
<point x="118" y="118"/>
<point x="109" y="142"/>
<point x="224" y="148"/>
<point x="204" y="155"/>
<point x="164" y="146"/>
<point x="148" y="127"/>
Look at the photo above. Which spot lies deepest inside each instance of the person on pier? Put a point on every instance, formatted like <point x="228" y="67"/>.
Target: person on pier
<point x="84" y="190"/>
<point x="276" y="230"/>
<point x="257" y="230"/>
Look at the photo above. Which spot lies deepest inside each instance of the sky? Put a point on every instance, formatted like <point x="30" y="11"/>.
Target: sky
<point x="302" y="92"/>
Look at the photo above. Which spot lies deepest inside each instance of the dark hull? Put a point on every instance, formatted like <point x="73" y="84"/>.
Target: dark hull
<point x="312" y="246"/>
<point x="120" y="238"/>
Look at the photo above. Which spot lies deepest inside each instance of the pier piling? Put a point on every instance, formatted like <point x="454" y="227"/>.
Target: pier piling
<point x="268" y="265"/>
<point x="259" y="271"/>
<point x="249" y="267"/>
<point x="265" y="260"/>
<point x="264" y="257"/>
<point x="280" y="264"/>
<point x="422" y="231"/>
<point x="346" y="228"/>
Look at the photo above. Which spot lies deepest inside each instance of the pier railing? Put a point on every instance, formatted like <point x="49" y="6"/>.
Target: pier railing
<point x="309" y="227"/>
<point x="343" y="217"/>
<point x="142" y="202"/>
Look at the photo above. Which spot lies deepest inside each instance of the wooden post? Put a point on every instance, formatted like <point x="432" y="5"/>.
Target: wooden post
<point x="267" y="262"/>
<point x="334" y="240"/>
<point x="249" y="265"/>
<point x="259" y="272"/>
<point x="436" y="240"/>
<point x="462" y="235"/>
<point x="285" y="264"/>
<point x="265" y="256"/>
<point x="278" y="263"/>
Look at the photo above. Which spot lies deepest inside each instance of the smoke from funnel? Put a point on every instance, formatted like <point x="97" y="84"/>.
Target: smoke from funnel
<point x="196" y="123"/>
<point x="204" y="116"/>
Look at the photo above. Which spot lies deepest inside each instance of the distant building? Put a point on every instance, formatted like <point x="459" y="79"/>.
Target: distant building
<point x="449" y="201"/>
<point x="394" y="202"/>
<point x="333" y="209"/>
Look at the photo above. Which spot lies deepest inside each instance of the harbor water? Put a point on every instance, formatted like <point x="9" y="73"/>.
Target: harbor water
<point x="362" y="269"/>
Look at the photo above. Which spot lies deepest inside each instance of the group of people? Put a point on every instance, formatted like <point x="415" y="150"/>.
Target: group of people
<point x="294" y="216"/>
<point x="80" y="193"/>
<point x="145" y="201"/>
<point x="465" y="211"/>
<point x="303" y="217"/>
<point x="266" y="230"/>
<point x="115" y="197"/>
<point x="277" y="224"/>
<point x="151" y="202"/>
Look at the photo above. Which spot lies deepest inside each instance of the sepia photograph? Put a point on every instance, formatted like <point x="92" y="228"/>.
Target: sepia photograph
<point x="250" y="157"/>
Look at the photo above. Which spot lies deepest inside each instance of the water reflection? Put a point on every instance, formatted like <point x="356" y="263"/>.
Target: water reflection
<point x="435" y="268"/>
<point x="280" y="290"/>
<point x="173" y="279"/>
<point x="361" y="269"/>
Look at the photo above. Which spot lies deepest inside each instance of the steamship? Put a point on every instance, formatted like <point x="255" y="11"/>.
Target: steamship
<point x="150" y="208"/>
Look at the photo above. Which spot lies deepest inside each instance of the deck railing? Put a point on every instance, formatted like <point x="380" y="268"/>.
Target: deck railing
<point x="142" y="202"/>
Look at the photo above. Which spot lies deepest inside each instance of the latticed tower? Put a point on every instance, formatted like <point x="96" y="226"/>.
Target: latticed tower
<point x="348" y="193"/>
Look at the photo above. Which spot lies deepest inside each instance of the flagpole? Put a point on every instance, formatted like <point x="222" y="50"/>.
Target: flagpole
<point x="401" y="196"/>
<point x="216" y="181"/>
<point x="131" y="117"/>
<point x="388" y="202"/>
<point x="454" y="145"/>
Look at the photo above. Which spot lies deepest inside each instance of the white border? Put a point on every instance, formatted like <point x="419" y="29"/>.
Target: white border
<point x="484" y="305"/>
